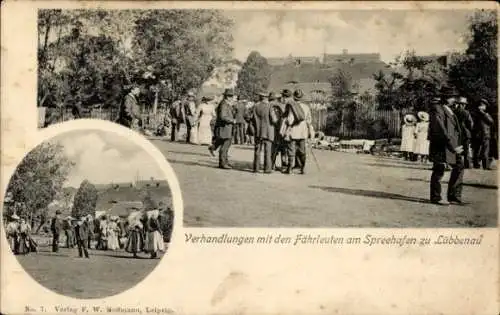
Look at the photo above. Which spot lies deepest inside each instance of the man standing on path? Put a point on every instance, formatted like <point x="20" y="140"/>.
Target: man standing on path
<point x="264" y="120"/>
<point x="445" y="136"/>
<point x="279" y="144"/>
<point x="482" y="136"/>
<point x="130" y="111"/>
<point x="82" y="234"/>
<point x="466" y="124"/>
<point x="224" y="129"/>
<point x="191" y="119"/>
<point x="55" y="228"/>
<point x="299" y="121"/>
<point x="239" y="127"/>
<point x="177" y="117"/>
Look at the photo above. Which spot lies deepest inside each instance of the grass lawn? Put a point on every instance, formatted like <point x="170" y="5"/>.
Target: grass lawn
<point x="106" y="273"/>
<point x="348" y="190"/>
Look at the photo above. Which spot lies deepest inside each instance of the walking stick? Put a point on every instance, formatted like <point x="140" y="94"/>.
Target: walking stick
<point x="314" y="157"/>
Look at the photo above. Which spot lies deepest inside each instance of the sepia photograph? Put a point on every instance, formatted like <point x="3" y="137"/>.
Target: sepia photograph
<point x="397" y="128"/>
<point x="88" y="214"/>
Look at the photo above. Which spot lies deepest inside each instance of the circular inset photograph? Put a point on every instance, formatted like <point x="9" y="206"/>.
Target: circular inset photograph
<point x="88" y="213"/>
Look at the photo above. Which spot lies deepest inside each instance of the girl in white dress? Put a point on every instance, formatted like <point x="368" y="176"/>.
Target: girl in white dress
<point x="154" y="238"/>
<point x="408" y="136"/>
<point x="421" y="130"/>
<point x="206" y="112"/>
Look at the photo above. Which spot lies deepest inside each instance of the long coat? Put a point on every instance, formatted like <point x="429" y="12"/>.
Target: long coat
<point x="224" y="121"/>
<point x="130" y="112"/>
<point x="445" y="135"/>
<point x="482" y="125"/>
<point x="82" y="232"/>
<point x="264" y="118"/>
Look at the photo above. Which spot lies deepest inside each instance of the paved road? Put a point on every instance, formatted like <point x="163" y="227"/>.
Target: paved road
<point x="350" y="190"/>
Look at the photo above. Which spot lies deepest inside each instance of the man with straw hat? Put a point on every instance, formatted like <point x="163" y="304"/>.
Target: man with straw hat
<point x="445" y="136"/>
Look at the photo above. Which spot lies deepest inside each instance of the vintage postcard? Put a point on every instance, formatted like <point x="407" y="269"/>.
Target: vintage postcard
<point x="185" y="157"/>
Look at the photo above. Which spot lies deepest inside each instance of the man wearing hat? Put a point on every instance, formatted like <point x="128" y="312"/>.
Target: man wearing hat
<point x="55" y="228"/>
<point x="264" y="120"/>
<point x="482" y="136"/>
<point x="279" y="144"/>
<point x="177" y="117"/>
<point x="466" y="123"/>
<point x="191" y="118"/>
<point x="300" y="130"/>
<point x="224" y="128"/>
<point x="130" y="112"/>
<point x="445" y="136"/>
<point x="239" y="127"/>
<point x="82" y="236"/>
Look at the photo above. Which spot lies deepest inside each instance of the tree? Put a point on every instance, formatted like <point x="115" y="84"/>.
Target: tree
<point x="38" y="179"/>
<point x="182" y="47"/>
<point x="474" y="74"/>
<point x="254" y="76"/>
<point x="85" y="200"/>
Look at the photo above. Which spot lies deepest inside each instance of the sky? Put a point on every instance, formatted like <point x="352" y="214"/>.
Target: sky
<point x="104" y="157"/>
<point x="278" y="33"/>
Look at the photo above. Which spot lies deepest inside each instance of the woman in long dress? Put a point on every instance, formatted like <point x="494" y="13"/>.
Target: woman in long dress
<point x="24" y="237"/>
<point x="135" y="241"/>
<point x="154" y="239"/>
<point x="408" y="136"/>
<point x="421" y="131"/>
<point x="112" y="233"/>
<point x="206" y="115"/>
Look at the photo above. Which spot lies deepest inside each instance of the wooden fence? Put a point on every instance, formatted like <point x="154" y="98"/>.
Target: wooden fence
<point x="376" y="121"/>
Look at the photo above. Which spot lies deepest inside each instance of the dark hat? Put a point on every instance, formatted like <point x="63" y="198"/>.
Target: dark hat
<point x="262" y="93"/>
<point x="298" y="94"/>
<point x="58" y="212"/>
<point x="207" y="98"/>
<point x="286" y="93"/>
<point x="484" y="102"/>
<point x="273" y="96"/>
<point x="229" y="92"/>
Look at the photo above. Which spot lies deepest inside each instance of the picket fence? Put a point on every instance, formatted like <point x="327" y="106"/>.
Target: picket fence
<point x="391" y="118"/>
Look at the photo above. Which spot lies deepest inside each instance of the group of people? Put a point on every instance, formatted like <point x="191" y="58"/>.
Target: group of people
<point x="140" y="233"/>
<point x="414" y="142"/>
<point x="452" y="128"/>
<point x="19" y="236"/>
<point x="281" y="125"/>
<point x="476" y="125"/>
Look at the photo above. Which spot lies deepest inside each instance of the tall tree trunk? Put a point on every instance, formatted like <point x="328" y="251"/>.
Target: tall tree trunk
<point x="155" y="103"/>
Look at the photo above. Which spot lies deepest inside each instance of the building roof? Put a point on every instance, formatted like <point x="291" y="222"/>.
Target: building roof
<point x="355" y="58"/>
<point x="124" y="208"/>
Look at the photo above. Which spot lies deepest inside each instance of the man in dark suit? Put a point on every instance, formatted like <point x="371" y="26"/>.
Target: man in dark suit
<point x="190" y="112"/>
<point x="90" y="224"/>
<point x="239" y="127"/>
<point x="466" y="123"/>
<point x="82" y="234"/>
<point x="445" y="136"/>
<point x="482" y="136"/>
<point x="177" y="117"/>
<point x="224" y="128"/>
<point x="264" y="120"/>
<point x="55" y="228"/>
<point x="279" y="145"/>
<point x="130" y="111"/>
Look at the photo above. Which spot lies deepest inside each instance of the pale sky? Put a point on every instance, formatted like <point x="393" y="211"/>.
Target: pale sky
<point x="104" y="157"/>
<point x="278" y="33"/>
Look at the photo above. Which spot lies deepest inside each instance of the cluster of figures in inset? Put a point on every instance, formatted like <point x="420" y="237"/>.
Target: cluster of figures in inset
<point x="141" y="232"/>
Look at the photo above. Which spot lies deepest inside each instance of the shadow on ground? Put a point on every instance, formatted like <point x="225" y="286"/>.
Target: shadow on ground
<point x="370" y="193"/>
<point x="475" y="185"/>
